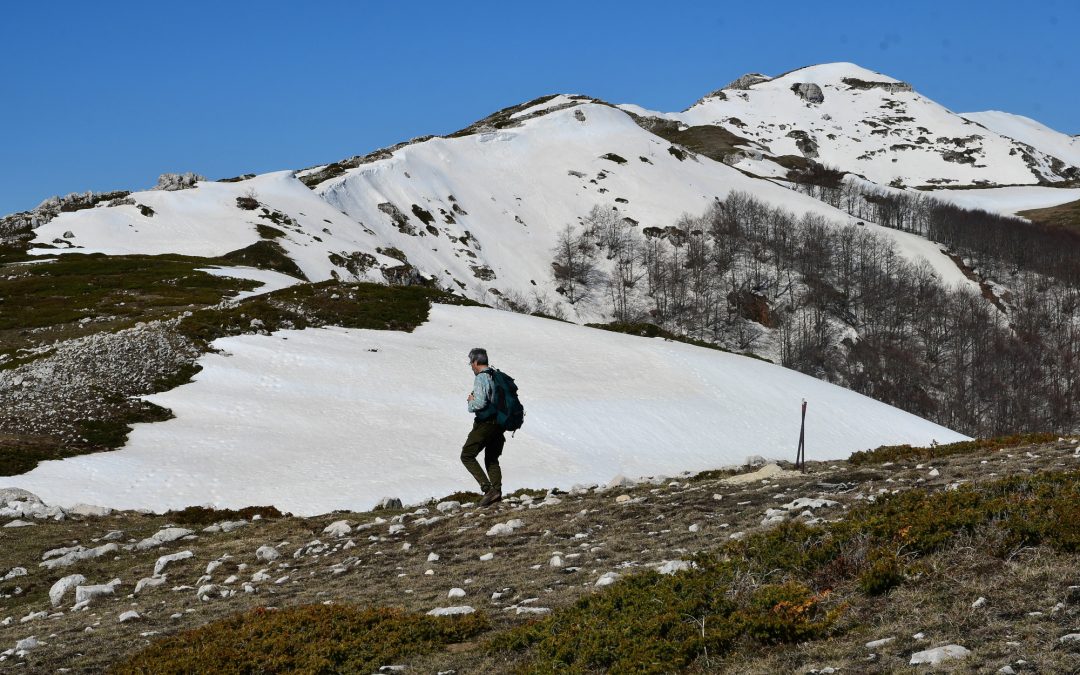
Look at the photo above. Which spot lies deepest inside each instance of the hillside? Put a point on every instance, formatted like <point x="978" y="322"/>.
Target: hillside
<point x="855" y="565"/>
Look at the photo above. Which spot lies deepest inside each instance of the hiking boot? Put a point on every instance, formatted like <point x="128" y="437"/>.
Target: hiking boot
<point x="490" y="497"/>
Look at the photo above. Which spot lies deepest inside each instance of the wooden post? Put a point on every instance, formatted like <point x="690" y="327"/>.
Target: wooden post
<point x="800" y="454"/>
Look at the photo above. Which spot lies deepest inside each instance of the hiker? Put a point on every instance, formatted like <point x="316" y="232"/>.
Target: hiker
<point x="486" y="433"/>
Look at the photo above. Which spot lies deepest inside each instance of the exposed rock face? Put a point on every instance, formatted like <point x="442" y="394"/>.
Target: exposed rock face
<point x="891" y="87"/>
<point x="747" y="81"/>
<point x="177" y="181"/>
<point x="808" y="91"/>
<point x="25" y="221"/>
<point x="806" y="144"/>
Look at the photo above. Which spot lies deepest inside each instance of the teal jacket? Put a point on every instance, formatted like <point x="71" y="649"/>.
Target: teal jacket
<point x="483" y="392"/>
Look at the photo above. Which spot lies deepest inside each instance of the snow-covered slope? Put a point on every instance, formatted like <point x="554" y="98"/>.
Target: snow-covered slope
<point x="477" y="211"/>
<point x="317" y="420"/>
<point x="1026" y="130"/>
<point x="857" y="120"/>
<point x="1008" y="200"/>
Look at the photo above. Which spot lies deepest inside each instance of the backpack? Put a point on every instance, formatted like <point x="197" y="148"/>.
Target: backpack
<point x="509" y="413"/>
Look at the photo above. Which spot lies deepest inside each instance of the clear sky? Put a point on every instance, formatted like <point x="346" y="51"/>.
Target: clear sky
<point x="107" y="95"/>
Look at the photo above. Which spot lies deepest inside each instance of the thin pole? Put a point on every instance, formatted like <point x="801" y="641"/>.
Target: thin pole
<point x="800" y="454"/>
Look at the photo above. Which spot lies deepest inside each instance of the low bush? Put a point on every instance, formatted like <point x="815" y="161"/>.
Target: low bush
<point x="201" y="515"/>
<point x="896" y="453"/>
<point x="305" y="639"/>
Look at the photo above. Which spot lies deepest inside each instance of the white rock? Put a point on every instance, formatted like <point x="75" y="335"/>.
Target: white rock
<point x="1006" y="670"/>
<point x="1071" y="637"/>
<point x="33" y="615"/>
<point x="14" y="572"/>
<point x="487" y="556"/>
<point x="74" y="556"/>
<point x="62" y="586"/>
<point x="260" y="577"/>
<point x="556" y="561"/>
<point x="622" y="499"/>
<point x="531" y="610"/>
<point x="694" y="528"/>
<point x="338" y="528"/>
<point x="619" y="481"/>
<point x="394" y="529"/>
<point x="231" y="579"/>
<point x="608" y="578"/>
<point x="451" y="611"/>
<point x="205" y="591"/>
<point x="26" y="644"/>
<point x="874" y="644"/>
<point x="88" y="593"/>
<point x="673" y="566"/>
<point x="808" y="503"/>
<point x="432" y="557"/>
<point x="163" y="537"/>
<point x="939" y="654"/>
<point x="113" y="535"/>
<point x="149" y="582"/>
<point x="90" y="510"/>
<point x="212" y="565"/>
<point x="448" y="506"/>
<point x="18" y="523"/>
<point x="934" y="473"/>
<point x="130" y="615"/>
<point x="164" y="560"/>
<point x="456" y="593"/>
<point x="978" y="603"/>
<point x="267" y="554"/>
<point x="499" y="529"/>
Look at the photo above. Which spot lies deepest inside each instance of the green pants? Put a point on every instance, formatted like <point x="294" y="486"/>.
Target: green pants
<point x="486" y="436"/>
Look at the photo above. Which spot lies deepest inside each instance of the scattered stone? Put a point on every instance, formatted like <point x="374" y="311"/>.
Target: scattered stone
<point x="163" y="537"/>
<point x="500" y="529"/>
<point x="556" y="561"/>
<point x="447" y="506"/>
<point x="172" y="557"/>
<point x="622" y="499"/>
<point x="130" y="615"/>
<point x="978" y="603"/>
<point x="934" y="473"/>
<point x="874" y="644"/>
<point x="338" y="528"/>
<point x="487" y="556"/>
<point x="456" y="593"/>
<point x="19" y="523"/>
<point x="113" y="535"/>
<point x="939" y="654"/>
<point x="1071" y="637"/>
<point x="79" y="553"/>
<point x="694" y="528"/>
<point x="14" y="572"/>
<point x="90" y="510"/>
<point x="149" y="582"/>
<point x="388" y="503"/>
<point x="62" y="586"/>
<point x="673" y="566"/>
<point x="608" y="578"/>
<point x="395" y="529"/>
<point x="89" y="593"/>
<point x="267" y="554"/>
<point x="432" y="557"/>
<point x="26" y="644"/>
<point x="451" y="611"/>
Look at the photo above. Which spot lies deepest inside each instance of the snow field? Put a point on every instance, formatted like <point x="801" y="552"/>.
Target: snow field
<point x="317" y="420"/>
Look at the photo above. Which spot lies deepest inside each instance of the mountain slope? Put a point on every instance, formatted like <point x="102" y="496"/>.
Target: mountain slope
<point x="317" y="420"/>
<point x="860" y="121"/>
<point x="478" y="211"/>
<point x="1027" y="130"/>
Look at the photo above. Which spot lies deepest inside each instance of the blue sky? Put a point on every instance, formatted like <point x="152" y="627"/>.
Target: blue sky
<point x="108" y="95"/>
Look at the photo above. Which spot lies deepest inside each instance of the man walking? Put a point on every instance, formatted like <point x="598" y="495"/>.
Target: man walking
<point x="486" y="433"/>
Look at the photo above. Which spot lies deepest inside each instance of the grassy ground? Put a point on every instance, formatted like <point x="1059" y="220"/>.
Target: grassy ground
<point x="1063" y="215"/>
<point x="784" y="598"/>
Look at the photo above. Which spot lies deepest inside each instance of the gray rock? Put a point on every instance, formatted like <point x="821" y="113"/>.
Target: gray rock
<point x="62" y="586"/>
<point x="809" y="92"/>
<point x="90" y="510"/>
<point x="267" y="554"/>
<point x="164" y="560"/>
<point x="149" y="582"/>
<point x="388" y="503"/>
<point x="14" y="494"/>
<point x="14" y="572"/>
<point x="89" y="593"/>
<point x="747" y="81"/>
<point x="26" y="644"/>
<point x="72" y="557"/>
<point x="939" y="654"/>
<point x="177" y="181"/>
<point x="163" y="537"/>
<point x="130" y="615"/>
<point x="18" y="523"/>
<point x="338" y="528"/>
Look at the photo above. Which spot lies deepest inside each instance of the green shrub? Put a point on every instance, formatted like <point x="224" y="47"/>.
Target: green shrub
<point x="896" y="453"/>
<point x="789" y="612"/>
<point x="201" y="515"/>
<point x="305" y="639"/>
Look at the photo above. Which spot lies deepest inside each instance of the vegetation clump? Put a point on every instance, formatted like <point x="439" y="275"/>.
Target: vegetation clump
<point x="896" y="453"/>
<point x="304" y="639"/>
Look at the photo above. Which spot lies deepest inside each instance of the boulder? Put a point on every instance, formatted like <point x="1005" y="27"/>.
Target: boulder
<point x="939" y="654"/>
<point x="62" y="586"/>
<point x="164" y="560"/>
<point x="163" y="537"/>
<point x="89" y="593"/>
<point x="808" y="91"/>
<point x="338" y="528"/>
<point x="267" y="554"/>
<point x="90" y="510"/>
<point x="451" y="611"/>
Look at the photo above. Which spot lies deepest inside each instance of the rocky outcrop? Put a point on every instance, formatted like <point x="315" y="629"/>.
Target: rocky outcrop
<point x="25" y="221"/>
<point x="808" y="91"/>
<point x="747" y="81"/>
<point x="170" y="182"/>
<point x="891" y="87"/>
